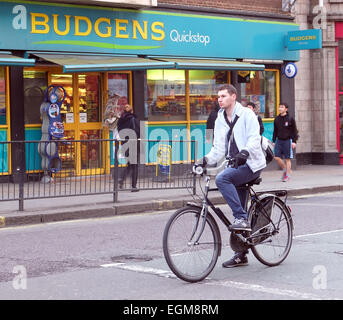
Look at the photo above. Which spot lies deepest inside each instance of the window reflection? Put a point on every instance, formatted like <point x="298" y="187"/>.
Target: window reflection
<point x="166" y="98"/>
<point x="89" y="97"/>
<point x="260" y="88"/>
<point x="65" y="81"/>
<point x="203" y="91"/>
<point x="35" y="84"/>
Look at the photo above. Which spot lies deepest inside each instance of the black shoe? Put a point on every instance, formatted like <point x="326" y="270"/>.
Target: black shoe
<point x="240" y="225"/>
<point x="239" y="259"/>
<point x="134" y="189"/>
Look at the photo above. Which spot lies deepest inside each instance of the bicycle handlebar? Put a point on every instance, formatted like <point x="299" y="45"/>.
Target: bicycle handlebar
<point x="199" y="170"/>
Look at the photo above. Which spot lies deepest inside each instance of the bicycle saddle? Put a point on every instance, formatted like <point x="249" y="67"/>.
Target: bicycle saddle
<point x="252" y="182"/>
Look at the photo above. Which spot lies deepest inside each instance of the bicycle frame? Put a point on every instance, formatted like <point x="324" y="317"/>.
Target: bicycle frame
<point x="254" y="196"/>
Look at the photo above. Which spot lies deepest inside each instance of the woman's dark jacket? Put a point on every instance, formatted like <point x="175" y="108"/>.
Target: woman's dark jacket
<point x="128" y="120"/>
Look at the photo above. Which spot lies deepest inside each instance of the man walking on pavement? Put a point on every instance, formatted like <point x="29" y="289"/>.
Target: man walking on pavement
<point x="285" y="136"/>
<point x="237" y="135"/>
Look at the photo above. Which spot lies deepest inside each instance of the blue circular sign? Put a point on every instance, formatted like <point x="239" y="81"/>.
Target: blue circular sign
<point x="290" y="70"/>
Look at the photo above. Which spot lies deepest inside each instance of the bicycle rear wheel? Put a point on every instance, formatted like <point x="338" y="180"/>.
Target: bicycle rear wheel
<point x="273" y="241"/>
<point x="188" y="260"/>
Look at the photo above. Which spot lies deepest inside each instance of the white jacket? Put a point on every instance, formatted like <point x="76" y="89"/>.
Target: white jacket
<point x="247" y="136"/>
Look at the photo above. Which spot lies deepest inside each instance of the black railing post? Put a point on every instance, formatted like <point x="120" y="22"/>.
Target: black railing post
<point x="192" y="163"/>
<point x="21" y="189"/>
<point x="115" y="171"/>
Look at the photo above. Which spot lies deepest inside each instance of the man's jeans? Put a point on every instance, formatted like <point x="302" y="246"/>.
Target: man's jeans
<point x="227" y="181"/>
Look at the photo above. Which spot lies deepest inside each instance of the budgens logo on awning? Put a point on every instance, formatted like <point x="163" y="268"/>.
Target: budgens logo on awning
<point x="189" y="37"/>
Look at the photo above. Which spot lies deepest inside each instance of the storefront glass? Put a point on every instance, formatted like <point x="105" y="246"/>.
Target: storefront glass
<point x="91" y="150"/>
<point x="3" y="120"/>
<point x="65" y="81"/>
<point x="203" y="85"/>
<point x="166" y="99"/>
<point x="118" y="91"/>
<point x="260" y="87"/>
<point x="89" y="97"/>
<point x="35" y="84"/>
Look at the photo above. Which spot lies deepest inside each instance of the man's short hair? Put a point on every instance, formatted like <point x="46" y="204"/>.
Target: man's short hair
<point x="229" y="87"/>
<point x="284" y="104"/>
<point x="251" y="104"/>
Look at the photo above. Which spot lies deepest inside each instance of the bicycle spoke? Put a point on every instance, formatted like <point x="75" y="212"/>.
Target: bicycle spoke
<point x="188" y="260"/>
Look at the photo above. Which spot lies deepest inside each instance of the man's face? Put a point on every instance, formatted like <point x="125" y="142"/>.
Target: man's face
<point x="226" y="100"/>
<point x="282" y="109"/>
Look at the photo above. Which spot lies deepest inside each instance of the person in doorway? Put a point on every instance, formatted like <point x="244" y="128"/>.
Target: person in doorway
<point x="285" y="136"/>
<point x="128" y="129"/>
<point x="253" y="107"/>
<point x="244" y="145"/>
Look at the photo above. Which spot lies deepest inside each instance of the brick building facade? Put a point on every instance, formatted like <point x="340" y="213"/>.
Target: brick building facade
<point x="317" y="99"/>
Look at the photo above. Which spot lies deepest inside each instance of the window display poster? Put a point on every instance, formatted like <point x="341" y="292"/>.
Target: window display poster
<point x="117" y="87"/>
<point x="260" y="101"/>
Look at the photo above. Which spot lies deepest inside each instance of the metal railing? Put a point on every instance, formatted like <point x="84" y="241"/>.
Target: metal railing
<point x="88" y="167"/>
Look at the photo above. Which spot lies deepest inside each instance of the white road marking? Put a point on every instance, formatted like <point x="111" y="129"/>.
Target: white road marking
<point x="317" y="233"/>
<point x="141" y="269"/>
<point x="225" y="283"/>
<point x="232" y="284"/>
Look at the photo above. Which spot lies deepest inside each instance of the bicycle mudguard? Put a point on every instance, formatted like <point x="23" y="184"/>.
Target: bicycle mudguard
<point x="194" y="204"/>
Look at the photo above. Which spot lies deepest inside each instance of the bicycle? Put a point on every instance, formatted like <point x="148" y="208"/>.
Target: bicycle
<point x="192" y="239"/>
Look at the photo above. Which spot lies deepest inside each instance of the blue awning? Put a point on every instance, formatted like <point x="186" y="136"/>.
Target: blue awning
<point x="7" y="59"/>
<point x="87" y="63"/>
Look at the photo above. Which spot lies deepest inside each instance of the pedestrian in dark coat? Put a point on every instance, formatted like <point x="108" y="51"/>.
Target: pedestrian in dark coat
<point x="128" y="129"/>
<point x="210" y="122"/>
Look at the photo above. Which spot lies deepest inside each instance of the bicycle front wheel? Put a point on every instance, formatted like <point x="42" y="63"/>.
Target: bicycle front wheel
<point x="189" y="259"/>
<point x="273" y="241"/>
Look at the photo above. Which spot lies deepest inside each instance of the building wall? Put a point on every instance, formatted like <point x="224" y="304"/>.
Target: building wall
<point x="263" y="6"/>
<point x="315" y="89"/>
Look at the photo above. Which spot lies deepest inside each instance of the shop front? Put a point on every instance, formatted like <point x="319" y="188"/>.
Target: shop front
<point x="168" y="65"/>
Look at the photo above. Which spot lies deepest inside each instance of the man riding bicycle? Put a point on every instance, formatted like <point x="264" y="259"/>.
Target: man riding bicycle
<point x="243" y="144"/>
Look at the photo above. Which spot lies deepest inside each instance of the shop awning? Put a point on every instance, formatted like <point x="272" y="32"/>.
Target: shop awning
<point x="210" y="64"/>
<point x="87" y="63"/>
<point x="7" y="59"/>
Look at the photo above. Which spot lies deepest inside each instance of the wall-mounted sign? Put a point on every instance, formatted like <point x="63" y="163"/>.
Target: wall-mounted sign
<point x="70" y="117"/>
<point x="47" y="26"/>
<point x="304" y="39"/>
<point x="83" y="117"/>
<point x="290" y="70"/>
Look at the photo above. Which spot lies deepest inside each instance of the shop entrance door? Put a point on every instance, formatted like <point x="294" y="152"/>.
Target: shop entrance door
<point x="81" y="115"/>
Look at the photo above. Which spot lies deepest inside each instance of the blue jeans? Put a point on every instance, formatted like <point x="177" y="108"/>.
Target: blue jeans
<point x="228" y="180"/>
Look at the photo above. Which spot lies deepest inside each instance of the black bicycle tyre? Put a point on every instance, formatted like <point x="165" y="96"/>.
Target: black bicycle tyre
<point x="170" y="256"/>
<point x="288" y="224"/>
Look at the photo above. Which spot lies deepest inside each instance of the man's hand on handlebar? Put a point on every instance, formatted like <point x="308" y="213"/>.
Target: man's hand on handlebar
<point x="199" y="166"/>
<point x="240" y="158"/>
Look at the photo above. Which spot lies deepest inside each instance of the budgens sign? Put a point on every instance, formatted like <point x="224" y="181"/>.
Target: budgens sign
<point x="27" y="25"/>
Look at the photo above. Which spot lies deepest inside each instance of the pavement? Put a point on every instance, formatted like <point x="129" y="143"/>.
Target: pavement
<point x="307" y="179"/>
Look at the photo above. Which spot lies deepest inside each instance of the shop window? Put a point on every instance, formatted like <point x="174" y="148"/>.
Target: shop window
<point x="89" y="98"/>
<point x="118" y="91"/>
<point x="35" y="84"/>
<point x="203" y="91"/>
<point x="65" y="81"/>
<point x="166" y="99"/>
<point x="3" y="96"/>
<point x="260" y="88"/>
